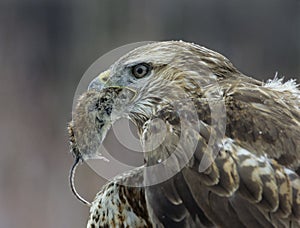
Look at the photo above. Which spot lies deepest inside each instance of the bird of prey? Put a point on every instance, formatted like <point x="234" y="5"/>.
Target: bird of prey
<point x="221" y="148"/>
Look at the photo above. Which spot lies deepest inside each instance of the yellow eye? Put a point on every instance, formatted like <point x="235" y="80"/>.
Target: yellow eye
<point x="141" y="70"/>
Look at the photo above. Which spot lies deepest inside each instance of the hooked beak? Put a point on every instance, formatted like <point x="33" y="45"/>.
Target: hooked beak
<point x="99" y="82"/>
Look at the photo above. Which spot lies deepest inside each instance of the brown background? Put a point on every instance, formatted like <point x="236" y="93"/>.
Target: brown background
<point x="45" y="47"/>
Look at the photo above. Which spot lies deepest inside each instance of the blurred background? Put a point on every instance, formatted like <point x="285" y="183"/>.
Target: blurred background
<point x="46" y="46"/>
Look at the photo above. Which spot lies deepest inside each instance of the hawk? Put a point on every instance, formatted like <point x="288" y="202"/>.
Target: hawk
<point x="221" y="148"/>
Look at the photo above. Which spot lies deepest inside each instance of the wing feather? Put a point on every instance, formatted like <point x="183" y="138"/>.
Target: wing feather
<point x="241" y="187"/>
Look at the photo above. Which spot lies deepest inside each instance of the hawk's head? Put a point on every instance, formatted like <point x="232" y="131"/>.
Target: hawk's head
<point x="163" y="72"/>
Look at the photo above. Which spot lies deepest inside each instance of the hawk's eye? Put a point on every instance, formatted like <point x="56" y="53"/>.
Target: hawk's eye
<point x="141" y="70"/>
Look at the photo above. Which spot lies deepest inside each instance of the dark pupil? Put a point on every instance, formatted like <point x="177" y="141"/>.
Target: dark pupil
<point x="140" y="70"/>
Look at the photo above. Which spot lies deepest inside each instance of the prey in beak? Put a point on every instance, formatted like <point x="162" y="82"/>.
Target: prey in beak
<point x="95" y="113"/>
<point x="77" y="160"/>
